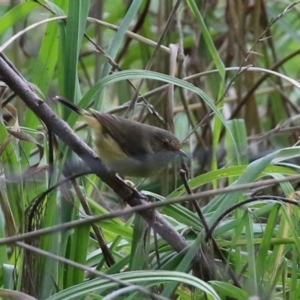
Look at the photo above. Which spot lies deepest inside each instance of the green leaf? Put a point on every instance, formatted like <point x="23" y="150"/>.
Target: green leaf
<point x="75" y="28"/>
<point x="16" y="14"/>
<point x="117" y="40"/>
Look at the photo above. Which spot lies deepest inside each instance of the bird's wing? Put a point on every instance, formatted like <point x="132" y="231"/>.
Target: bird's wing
<point x="128" y="134"/>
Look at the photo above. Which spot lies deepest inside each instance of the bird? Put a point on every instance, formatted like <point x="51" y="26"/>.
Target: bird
<point x="127" y="147"/>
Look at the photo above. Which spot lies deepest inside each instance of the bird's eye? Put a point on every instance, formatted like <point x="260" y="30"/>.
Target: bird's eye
<point x="166" y="144"/>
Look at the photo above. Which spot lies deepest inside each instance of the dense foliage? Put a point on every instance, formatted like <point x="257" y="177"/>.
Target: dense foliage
<point x="223" y="76"/>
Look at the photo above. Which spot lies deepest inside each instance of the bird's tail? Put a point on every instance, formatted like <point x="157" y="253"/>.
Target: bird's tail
<point x="91" y="119"/>
<point x="70" y="105"/>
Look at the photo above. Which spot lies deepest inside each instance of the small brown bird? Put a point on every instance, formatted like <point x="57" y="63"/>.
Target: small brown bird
<point x="127" y="147"/>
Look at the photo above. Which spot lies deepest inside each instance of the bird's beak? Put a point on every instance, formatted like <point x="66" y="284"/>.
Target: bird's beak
<point x="182" y="153"/>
